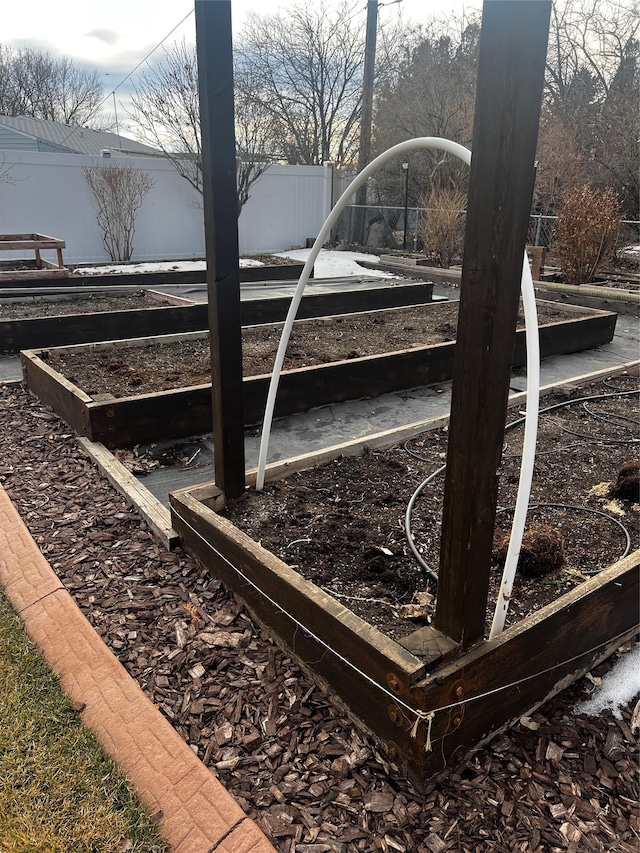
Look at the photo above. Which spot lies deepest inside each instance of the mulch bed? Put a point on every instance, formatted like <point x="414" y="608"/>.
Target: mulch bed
<point x="89" y="304"/>
<point x="159" y="367"/>
<point x="277" y="742"/>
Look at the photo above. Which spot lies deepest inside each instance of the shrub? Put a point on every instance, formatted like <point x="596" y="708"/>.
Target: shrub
<point x="586" y="232"/>
<point x="118" y="193"/>
<point x="442" y="231"/>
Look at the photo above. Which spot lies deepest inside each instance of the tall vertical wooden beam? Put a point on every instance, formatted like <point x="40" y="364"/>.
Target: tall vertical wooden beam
<point x="215" y="77"/>
<point x="513" y="43"/>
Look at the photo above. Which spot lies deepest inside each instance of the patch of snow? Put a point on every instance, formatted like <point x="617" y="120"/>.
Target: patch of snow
<point x="630" y="250"/>
<point x="157" y="266"/>
<point x="328" y="265"/>
<point x="618" y="687"/>
<point x="331" y="264"/>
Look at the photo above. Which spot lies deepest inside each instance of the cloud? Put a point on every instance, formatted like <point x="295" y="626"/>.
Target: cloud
<point x="107" y="36"/>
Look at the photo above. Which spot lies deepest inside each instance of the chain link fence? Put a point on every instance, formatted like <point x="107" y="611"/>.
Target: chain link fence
<point x="389" y="227"/>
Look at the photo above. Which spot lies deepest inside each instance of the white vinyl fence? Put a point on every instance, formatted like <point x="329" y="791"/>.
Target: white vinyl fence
<point x="47" y="194"/>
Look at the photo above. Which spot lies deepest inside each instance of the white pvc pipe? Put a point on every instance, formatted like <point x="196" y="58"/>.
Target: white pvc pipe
<point x="528" y="451"/>
<point x="533" y="359"/>
<point x="403" y="147"/>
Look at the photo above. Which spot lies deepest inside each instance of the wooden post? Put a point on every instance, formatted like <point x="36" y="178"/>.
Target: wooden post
<point x="215" y="77"/>
<point x="513" y="43"/>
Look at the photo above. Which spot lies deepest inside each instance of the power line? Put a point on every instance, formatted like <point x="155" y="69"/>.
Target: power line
<point x="124" y="80"/>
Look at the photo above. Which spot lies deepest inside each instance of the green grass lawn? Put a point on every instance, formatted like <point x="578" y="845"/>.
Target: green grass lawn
<point x="59" y="792"/>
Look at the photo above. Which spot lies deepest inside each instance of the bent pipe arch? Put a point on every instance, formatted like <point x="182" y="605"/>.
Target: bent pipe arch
<point x="533" y="355"/>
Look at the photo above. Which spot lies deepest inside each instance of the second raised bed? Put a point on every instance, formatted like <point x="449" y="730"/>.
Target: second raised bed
<point x="186" y="411"/>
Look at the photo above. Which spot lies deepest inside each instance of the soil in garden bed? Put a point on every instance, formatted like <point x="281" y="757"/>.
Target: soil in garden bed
<point x="158" y="367"/>
<point x="277" y="742"/>
<point x="342" y="525"/>
<point x="89" y="304"/>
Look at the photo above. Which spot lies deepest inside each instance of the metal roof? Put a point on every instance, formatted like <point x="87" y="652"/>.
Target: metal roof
<point x="71" y="139"/>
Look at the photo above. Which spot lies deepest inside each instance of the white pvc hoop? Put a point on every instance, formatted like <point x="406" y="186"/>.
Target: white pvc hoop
<point x="533" y="358"/>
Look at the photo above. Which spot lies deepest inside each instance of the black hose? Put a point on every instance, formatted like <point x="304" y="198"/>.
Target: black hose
<point x="432" y="574"/>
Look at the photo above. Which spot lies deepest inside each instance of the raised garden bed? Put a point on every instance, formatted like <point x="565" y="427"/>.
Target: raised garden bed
<point x="424" y="700"/>
<point x="284" y="270"/>
<point x="19" y="332"/>
<point x="183" y="411"/>
<point x="36" y="270"/>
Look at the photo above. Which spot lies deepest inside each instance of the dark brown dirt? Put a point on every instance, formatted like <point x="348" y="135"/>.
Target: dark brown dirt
<point x="158" y="367"/>
<point x="342" y="525"/>
<point x="314" y="783"/>
<point x="89" y="304"/>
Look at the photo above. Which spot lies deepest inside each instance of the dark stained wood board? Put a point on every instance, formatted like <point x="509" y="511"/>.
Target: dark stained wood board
<point x="65" y="398"/>
<point x="37" y="332"/>
<point x="529" y="662"/>
<point x="544" y="652"/>
<point x="505" y="127"/>
<point x="286" y="272"/>
<point x="382" y="668"/>
<point x="183" y="412"/>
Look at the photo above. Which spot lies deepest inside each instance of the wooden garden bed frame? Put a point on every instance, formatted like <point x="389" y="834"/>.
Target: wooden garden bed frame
<point x="424" y="700"/>
<point x="452" y="689"/>
<point x="44" y="270"/>
<point x="49" y="276"/>
<point x="182" y="412"/>
<point x="37" y="332"/>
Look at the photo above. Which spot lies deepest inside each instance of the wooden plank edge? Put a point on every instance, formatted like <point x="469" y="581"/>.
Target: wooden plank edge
<point x="387" y="438"/>
<point x="33" y="359"/>
<point x="147" y="505"/>
<point x="242" y="553"/>
<point x="172" y="298"/>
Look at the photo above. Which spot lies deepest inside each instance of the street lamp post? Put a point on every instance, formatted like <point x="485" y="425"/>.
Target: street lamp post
<point x="405" y="169"/>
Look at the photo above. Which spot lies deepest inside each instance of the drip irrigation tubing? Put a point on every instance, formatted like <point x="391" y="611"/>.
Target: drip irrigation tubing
<point x="432" y="574"/>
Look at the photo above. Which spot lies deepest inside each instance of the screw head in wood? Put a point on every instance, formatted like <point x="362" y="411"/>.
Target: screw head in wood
<point x="393" y="751"/>
<point x="394" y="682"/>
<point x="395" y="715"/>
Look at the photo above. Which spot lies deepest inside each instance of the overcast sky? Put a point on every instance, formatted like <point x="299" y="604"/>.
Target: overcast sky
<point x="113" y="36"/>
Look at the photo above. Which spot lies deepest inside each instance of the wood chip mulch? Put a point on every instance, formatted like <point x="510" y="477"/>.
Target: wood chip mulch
<point x="311" y="780"/>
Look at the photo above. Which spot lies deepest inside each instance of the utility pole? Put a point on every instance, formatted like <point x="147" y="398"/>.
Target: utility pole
<point x="366" y="119"/>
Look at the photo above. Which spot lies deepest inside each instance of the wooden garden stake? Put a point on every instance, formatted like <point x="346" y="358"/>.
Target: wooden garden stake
<point x="513" y="43"/>
<point x="215" y="77"/>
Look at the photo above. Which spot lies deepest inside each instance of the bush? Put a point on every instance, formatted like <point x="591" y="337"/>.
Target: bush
<point x="442" y="231"/>
<point x="118" y="193"/>
<point x="586" y="232"/>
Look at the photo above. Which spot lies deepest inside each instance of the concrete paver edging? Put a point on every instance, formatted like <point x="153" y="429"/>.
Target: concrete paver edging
<point x="198" y="814"/>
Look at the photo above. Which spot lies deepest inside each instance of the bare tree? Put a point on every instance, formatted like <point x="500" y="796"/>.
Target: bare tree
<point x="432" y="94"/>
<point x="304" y="69"/>
<point x="5" y="171"/>
<point x="166" y="110"/>
<point x="593" y="77"/>
<point x="118" y="193"/>
<point x="33" y="83"/>
<point x="561" y="165"/>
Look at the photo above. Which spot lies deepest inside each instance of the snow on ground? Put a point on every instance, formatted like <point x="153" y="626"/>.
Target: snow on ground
<point x="156" y="266"/>
<point x="331" y="264"/>
<point x="328" y="265"/>
<point x="618" y="687"/>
